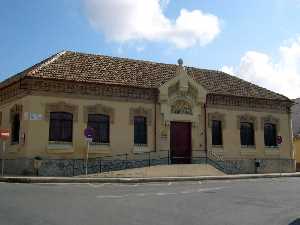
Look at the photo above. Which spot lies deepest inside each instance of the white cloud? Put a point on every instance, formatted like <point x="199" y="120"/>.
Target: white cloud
<point x="282" y="76"/>
<point x="127" y="20"/>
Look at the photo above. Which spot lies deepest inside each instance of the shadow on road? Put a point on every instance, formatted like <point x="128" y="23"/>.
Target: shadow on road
<point x="295" y="222"/>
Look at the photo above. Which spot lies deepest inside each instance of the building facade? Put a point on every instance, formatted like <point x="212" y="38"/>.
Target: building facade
<point x="141" y="111"/>
<point x="296" y="130"/>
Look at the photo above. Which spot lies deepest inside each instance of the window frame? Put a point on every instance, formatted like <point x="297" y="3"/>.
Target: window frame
<point x="62" y="127"/>
<point x="274" y="144"/>
<point x="140" y="139"/>
<point x="250" y="142"/>
<point x="99" y="140"/>
<point x="219" y="133"/>
<point x="15" y="139"/>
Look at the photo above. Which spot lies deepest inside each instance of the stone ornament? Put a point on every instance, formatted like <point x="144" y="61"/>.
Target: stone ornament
<point x="99" y="109"/>
<point x="248" y="119"/>
<point x="216" y="116"/>
<point x="61" y="107"/>
<point x="270" y="119"/>
<point x="16" y="109"/>
<point x="181" y="107"/>
<point x="140" y="111"/>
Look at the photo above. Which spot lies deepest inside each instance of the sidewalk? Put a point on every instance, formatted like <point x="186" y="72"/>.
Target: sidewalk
<point x="12" y="179"/>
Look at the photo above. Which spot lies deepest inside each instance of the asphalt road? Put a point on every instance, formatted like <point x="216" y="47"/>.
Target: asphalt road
<point x="260" y="201"/>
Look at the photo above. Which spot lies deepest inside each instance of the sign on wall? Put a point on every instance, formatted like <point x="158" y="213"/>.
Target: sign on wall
<point x="279" y="140"/>
<point x="33" y="116"/>
<point x="4" y="134"/>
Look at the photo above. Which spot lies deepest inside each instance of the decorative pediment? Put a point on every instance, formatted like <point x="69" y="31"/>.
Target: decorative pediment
<point x="61" y="107"/>
<point x="99" y="109"/>
<point x="16" y="109"/>
<point x="270" y="119"/>
<point x="216" y="116"/>
<point x="248" y="119"/>
<point x="140" y="111"/>
<point x="182" y="85"/>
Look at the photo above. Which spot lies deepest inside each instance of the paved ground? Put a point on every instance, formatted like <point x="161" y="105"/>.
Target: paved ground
<point x="260" y="201"/>
<point x="179" y="170"/>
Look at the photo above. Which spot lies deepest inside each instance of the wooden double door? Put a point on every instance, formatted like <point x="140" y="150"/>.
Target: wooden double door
<point x="180" y="143"/>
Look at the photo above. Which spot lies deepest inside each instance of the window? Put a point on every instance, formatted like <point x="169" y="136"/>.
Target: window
<point x="15" y="129"/>
<point x="140" y="130"/>
<point x="216" y="130"/>
<point x="61" y="126"/>
<point x="100" y="124"/>
<point x="270" y="134"/>
<point x="247" y="134"/>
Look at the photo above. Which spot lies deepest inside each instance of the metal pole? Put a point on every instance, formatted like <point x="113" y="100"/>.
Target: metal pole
<point x="3" y="160"/>
<point x="87" y="158"/>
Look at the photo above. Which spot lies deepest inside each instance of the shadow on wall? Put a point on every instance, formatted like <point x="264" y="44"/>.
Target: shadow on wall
<point x="295" y="222"/>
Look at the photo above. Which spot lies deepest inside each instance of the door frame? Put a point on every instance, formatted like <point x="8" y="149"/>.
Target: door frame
<point x="189" y="133"/>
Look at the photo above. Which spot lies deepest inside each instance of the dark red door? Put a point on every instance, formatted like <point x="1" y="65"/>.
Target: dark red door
<point x="180" y="142"/>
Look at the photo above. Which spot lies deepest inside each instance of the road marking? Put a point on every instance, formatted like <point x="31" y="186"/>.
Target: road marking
<point x="111" y="196"/>
<point x="165" y="193"/>
<point x="188" y="191"/>
<point x="210" y="189"/>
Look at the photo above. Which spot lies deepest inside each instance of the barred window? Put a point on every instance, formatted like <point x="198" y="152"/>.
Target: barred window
<point x="100" y="124"/>
<point x="216" y="130"/>
<point x="140" y="130"/>
<point x="61" y="126"/>
<point x="15" y="129"/>
<point x="270" y="134"/>
<point x="247" y="134"/>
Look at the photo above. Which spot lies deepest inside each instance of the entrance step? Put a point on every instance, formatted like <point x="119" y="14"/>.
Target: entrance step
<point x="179" y="170"/>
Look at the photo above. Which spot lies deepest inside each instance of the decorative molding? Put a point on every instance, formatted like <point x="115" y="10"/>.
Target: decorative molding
<point x="140" y="111"/>
<point x="99" y="109"/>
<point x="181" y="107"/>
<point x="270" y="119"/>
<point x="216" y="116"/>
<point x="100" y="90"/>
<point x="248" y="119"/>
<point x="16" y="109"/>
<point x="248" y="104"/>
<point x="11" y="92"/>
<point x="61" y="107"/>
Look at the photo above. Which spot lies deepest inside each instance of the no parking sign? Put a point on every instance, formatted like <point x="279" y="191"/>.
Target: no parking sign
<point x="279" y="140"/>
<point x="89" y="134"/>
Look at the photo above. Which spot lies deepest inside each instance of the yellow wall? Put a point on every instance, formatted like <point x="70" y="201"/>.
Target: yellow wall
<point x="121" y="131"/>
<point x="37" y="132"/>
<point x="231" y="136"/>
<point x="297" y="149"/>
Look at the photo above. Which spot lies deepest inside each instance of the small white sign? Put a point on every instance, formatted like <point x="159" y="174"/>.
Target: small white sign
<point x="35" y="116"/>
<point x="89" y="139"/>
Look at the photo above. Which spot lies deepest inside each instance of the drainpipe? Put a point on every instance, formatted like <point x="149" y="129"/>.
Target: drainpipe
<point x="155" y="145"/>
<point x="205" y="128"/>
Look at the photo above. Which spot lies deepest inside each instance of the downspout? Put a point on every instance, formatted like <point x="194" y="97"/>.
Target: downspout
<point x="205" y="127"/>
<point x="155" y="144"/>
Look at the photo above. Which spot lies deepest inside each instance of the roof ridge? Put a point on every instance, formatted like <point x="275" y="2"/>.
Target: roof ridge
<point x="46" y="62"/>
<point x="122" y="58"/>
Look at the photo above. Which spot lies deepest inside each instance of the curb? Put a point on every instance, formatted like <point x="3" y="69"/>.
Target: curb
<point x="10" y="179"/>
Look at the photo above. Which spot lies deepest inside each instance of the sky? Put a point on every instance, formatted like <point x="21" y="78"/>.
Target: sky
<point x="257" y="40"/>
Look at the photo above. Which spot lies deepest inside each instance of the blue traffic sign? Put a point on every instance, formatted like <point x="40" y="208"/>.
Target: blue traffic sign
<point x="89" y="132"/>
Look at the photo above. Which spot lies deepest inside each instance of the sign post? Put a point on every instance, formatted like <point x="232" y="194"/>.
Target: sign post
<point x="279" y="142"/>
<point x="4" y="135"/>
<point x="88" y="133"/>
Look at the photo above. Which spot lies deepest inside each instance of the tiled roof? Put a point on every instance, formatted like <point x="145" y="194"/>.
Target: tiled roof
<point x="74" y="66"/>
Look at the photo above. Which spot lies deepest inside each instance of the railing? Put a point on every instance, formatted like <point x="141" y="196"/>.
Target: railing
<point x="75" y="167"/>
